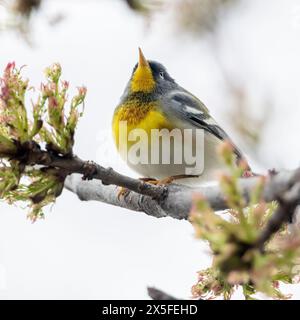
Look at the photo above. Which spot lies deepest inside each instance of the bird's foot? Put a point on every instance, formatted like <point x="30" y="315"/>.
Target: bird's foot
<point x="158" y="182"/>
<point x="122" y="192"/>
<point x="168" y="180"/>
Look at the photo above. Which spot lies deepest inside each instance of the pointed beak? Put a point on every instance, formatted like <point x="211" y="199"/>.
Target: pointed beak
<point x="142" y="60"/>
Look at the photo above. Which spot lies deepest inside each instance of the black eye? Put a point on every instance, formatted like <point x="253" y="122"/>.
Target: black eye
<point x="161" y="74"/>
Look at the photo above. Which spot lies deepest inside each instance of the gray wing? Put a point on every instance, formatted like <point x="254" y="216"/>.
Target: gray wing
<point x="184" y="105"/>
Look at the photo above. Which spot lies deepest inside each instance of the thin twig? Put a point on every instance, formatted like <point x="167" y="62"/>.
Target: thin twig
<point x="287" y="204"/>
<point x="32" y="154"/>
<point x="157" y="294"/>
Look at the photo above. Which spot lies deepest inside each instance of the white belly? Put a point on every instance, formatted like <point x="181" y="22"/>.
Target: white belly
<point x="206" y="150"/>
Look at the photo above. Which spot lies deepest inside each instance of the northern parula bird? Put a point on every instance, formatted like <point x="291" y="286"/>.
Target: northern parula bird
<point x="154" y="102"/>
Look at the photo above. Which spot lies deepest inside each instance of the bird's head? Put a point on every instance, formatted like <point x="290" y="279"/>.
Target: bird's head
<point x="148" y="76"/>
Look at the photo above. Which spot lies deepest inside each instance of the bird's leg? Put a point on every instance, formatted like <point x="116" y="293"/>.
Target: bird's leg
<point x="168" y="180"/>
<point x="159" y="182"/>
<point x="124" y="191"/>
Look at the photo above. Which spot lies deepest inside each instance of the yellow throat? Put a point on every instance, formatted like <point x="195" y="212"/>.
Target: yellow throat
<point x="142" y="79"/>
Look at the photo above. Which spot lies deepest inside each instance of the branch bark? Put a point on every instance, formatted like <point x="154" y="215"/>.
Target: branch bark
<point x="173" y="200"/>
<point x="177" y="201"/>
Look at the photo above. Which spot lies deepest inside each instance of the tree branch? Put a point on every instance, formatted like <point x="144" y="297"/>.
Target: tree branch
<point x="173" y="200"/>
<point x="31" y="154"/>
<point x="287" y="204"/>
<point x="157" y="294"/>
<point x="178" y="199"/>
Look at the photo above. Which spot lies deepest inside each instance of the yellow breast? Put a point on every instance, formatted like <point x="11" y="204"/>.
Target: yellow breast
<point x="138" y="116"/>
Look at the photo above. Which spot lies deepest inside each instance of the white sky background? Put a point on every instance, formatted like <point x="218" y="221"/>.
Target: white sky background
<point x="90" y="250"/>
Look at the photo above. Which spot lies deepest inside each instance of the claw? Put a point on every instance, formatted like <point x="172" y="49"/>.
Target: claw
<point x="122" y="192"/>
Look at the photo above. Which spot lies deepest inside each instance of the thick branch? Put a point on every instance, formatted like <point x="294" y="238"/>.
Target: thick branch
<point x="178" y="200"/>
<point x="161" y="201"/>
